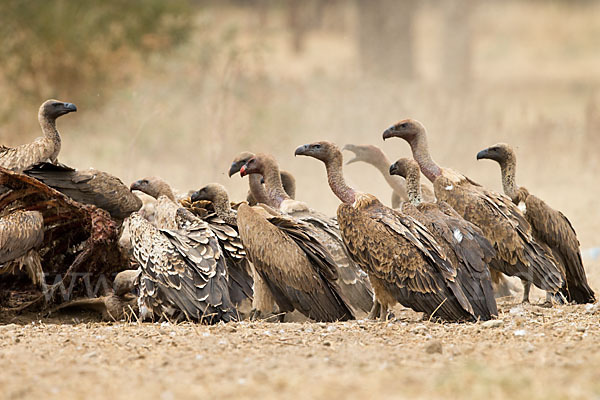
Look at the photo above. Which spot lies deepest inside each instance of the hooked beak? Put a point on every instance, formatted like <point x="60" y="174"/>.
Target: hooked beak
<point x="194" y="198"/>
<point x="301" y="150"/>
<point x="70" y="107"/>
<point x="483" y="154"/>
<point x="388" y="133"/>
<point x="134" y="186"/>
<point x="234" y="169"/>
<point x="393" y="169"/>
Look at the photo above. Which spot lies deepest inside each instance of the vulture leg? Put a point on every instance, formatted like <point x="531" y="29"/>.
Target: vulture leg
<point x="526" y="289"/>
<point x="375" y="310"/>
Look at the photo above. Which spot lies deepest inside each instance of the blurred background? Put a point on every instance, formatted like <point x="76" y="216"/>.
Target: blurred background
<point x="177" y="88"/>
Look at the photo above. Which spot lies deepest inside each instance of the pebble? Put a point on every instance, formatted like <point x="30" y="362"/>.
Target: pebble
<point x="493" y="323"/>
<point x="433" y="347"/>
<point x="581" y="329"/>
<point x="520" y="332"/>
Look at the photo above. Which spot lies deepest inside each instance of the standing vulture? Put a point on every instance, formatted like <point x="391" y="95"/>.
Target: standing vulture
<point x="89" y="187"/>
<point x="183" y="268"/>
<point x="262" y="301"/>
<point x="503" y="224"/>
<point x="376" y="157"/>
<point x="549" y="225"/>
<point x="352" y="280"/>
<point x="464" y="244"/>
<point x="21" y="235"/>
<point x="288" y="180"/>
<point x="295" y="266"/>
<point x="404" y="262"/>
<point x="42" y="149"/>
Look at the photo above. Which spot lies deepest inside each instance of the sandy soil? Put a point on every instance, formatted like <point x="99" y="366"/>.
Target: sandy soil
<point x="529" y="352"/>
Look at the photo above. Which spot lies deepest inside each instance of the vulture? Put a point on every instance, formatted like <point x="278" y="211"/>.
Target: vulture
<point x="464" y="244"/>
<point x="376" y="157"/>
<point x="256" y="184"/>
<point x="404" y="262"/>
<point x="42" y="149"/>
<point x="352" y="280"/>
<point x="89" y="187"/>
<point x="222" y="221"/>
<point x="183" y="267"/>
<point x="21" y="236"/>
<point x="262" y="300"/>
<point x="501" y="221"/>
<point x="548" y="225"/>
<point x="296" y="268"/>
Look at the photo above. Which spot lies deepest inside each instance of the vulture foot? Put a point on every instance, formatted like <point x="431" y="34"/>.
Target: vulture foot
<point x="375" y="310"/>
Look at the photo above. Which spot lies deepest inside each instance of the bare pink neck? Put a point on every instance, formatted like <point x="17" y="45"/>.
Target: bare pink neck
<point x="421" y="155"/>
<point x="336" y="180"/>
<point x="49" y="130"/>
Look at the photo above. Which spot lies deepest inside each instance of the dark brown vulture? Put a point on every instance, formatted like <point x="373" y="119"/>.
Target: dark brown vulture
<point x="89" y="187"/>
<point x="376" y="157"/>
<point x="183" y="272"/>
<point x="352" y="280"/>
<point x="503" y="224"/>
<point x="256" y="184"/>
<point x="295" y="267"/>
<point x="42" y="149"/>
<point x="21" y="236"/>
<point x="404" y="262"/>
<point x="464" y="244"/>
<point x="549" y="225"/>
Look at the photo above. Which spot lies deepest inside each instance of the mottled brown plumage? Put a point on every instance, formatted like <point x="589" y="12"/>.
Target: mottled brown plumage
<point x="549" y="226"/>
<point x="376" y="157"/>
<point x="463" y="243"/>
<point x="89" y="187"/>
<point x="21" y="236"/>
<point x="352" y="280"/>
<point x="183" y="271"/>
<point x="503" y="224"/>
<point x="297" y="270"/>
<point x="42" y="149"/>
<point x="404" y="262"/>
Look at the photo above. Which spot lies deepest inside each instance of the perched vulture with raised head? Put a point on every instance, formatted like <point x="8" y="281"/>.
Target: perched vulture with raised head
<point x="404" y="262"/>
<point x="183" y="271"/>
<point x="373" y="155"/>
<point x="352" y="280"/>
<point x="255" y="182"/>
<point x="21" y="235"/>
<point x="287" y="254"/>
<point x="464" y="244"/>
<point x="89" y="186"/>
<point x="549" y="226"/>
<point x="503" y="224"/>
<point x="42" y="149"/>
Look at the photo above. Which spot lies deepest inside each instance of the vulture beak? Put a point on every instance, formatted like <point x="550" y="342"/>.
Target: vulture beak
<point x="234" y="169"/>
<point x="243" y="171"/>
<point x="388" y="133"/>
<point x="393" y="169"/>
<point x="483" y="154"/>
<point x="70" y="107"/>
<point x="301" y="150"/>
<point x="194" y="196"/>
<point x="134" y="186"/>
<point x="350" y="147"/>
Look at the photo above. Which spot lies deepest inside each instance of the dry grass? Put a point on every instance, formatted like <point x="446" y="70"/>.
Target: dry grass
<point x="183" y="118"/>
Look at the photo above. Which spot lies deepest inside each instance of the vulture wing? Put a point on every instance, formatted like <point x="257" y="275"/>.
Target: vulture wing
<point x="20" y="231"/>
<point x="295" y="266"/>
<point x="25" y="156"/>
<point x="554" y="229"/>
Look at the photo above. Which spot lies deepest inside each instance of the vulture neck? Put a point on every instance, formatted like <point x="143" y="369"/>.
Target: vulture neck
<point x="273" y="185"/>
<point x="382" y="163"/>
<point x="336" y="180"/>
<point x="166" y="191"/>
<point x="257" y="189"/>
<point x="50" y="132"/>
<point x="413" y="185"/>
<point x="508" y="168"/>
<point x="223" y="208"/>
<point x="420" y="151"/>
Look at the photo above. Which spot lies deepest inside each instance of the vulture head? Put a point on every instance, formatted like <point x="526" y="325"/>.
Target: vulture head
<point x="404" y="167"/>
<point x="323" y="151"/>
<point x="239" y="161"/>
<point x="52" y="109"/>
<point x="501" y="153"/>
<point x="209" y="192"/>
<point x="407" y="129"/>
<point x="259" y="164"/>
<point x="153" y="186"/>
<point x="365" y="152"/>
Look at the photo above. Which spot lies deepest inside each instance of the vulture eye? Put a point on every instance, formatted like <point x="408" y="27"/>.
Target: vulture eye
<point x="317" y="146"/>
<point x="403" y="125"/>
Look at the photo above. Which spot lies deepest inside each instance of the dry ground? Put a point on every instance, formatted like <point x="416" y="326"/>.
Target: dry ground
<point x="532" y="352"/>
